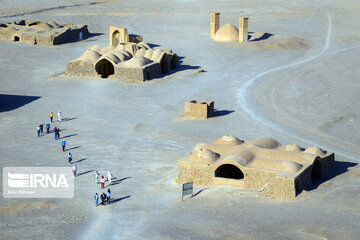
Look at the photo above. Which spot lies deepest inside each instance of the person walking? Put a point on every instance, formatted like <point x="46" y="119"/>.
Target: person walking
<point x="47" y="128"/>
<point x="96" y="177"/>
<point x="41" y="128"/>
<point x="96" y="197"/>
<point x="38" y="131"/>
<point x="109" y="176"/>
<point x="58" y="132"/>
<point x="69" y="157"/>
<point x="59" y="116"/>
<point x="108" y="194"/>
<point x="51" y="115"/>
<point x="74" y="169"/>
<point x="55" y="132"/>
<point x="103" y="197"/>
<point x="63" y="144"/>
<point x="102" y="181"/>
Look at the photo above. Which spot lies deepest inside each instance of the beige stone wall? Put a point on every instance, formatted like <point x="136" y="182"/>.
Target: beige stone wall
<point x="199" y="174"/>
<point x="243" y="29"/>
<point x="115" y="39"/>
<point x="195" y="110"/>
<point x="327" y="165"/>
<point x="80" y="69"/>
<point x="140" y="74"/>
<point x="214" y="23"/>
<point x="279" y="188"/>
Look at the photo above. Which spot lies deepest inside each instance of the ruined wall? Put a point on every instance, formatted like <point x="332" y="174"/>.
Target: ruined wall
<point x="80" y="69"/>
<point x="138" y="74"/>
<point x="71" y="35"/>
<point x="199" y="174"/>
<point x="195" y="110"/>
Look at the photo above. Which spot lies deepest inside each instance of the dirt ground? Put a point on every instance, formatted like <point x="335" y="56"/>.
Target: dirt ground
<point x="298" y="85"/>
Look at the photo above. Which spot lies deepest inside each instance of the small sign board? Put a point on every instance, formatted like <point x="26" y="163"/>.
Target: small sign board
<point x="187" y="189"/>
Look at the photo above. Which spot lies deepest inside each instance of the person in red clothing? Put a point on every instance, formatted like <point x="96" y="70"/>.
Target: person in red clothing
<point x="102" y="181"/>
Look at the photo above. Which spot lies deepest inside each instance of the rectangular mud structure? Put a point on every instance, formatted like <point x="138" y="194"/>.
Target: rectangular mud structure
<point x="42" y="33"/>
<point x="276" y="171"/>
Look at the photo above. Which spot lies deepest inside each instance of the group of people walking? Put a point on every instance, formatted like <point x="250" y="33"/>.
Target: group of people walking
<point x="104" y="197"/>
<point x="101" y="179"/>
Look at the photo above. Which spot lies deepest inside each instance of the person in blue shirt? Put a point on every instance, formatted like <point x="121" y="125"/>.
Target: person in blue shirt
<point x="63" y="144"/>
<point x="108" y="194"/>
<point x="96" y="198"/>
<point x="47" y="128"/>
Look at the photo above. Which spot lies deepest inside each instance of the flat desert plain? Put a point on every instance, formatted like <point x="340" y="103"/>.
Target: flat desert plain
<point x="299" y="84"/>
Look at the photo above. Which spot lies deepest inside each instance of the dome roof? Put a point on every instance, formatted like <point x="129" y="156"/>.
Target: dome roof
<point x="110" y="57"/>
<point x="227" y="33"/>
<point x="229" y="139"/>
<point x="314" y="150"/>
<point x="90" y="56"/>
<point x="138" y="61"/>
<point x="265" y="142"/>
<point x="158" y="54"/>
<point x="143" y="45"/>
<point x="242" y="157"/>
<point x="293" y="148"/>
<point x="120" y="55"/>
<point x="204" y="155"/>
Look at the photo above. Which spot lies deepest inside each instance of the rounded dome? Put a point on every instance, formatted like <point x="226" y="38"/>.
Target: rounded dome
<point x="293" y="148"/>
<point x="95" y="48"/>
<point x="204" y="155"/>
<point x="138" y="61"/>
<point x="90" y="56"/>
<point x="265" y="142"/>
<point x="143" y="45"/>
<point x="229" y="139"/>
<point x="120" y="55"/>
<point x="290" y="166"/>
<point x="106" y="49"/>
<point x="314" y="150"/>
<point x="242" y="157"/>
<point x="110" y="57"/>
<point x="198" y="146"/>
<point x="140" y="52"/>
<point x="227" y="33"/>
<point x="148" y="53"/>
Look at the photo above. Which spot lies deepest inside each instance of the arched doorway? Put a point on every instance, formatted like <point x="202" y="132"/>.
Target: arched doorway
<point x="116" y="38"/>
<point x="229" y="171"/>
<point x="104" y="68"/>
<point x="316" y="170"/>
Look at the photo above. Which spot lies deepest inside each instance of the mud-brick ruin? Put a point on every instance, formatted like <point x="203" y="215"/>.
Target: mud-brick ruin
<point x="127" y="58"/>
<point x="228" y="32"/>
<point x="195" y="110"/>
<point x="42" y="33"/>
<point x="276" y="171"/>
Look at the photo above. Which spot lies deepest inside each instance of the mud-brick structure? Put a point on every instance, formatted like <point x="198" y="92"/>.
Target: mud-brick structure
<point x="195" y="110"/>
<point x="228" y="32"/>
<point x="42" y="33"/>
<point x="276" y="171"/>
<point x="128" y="61"/>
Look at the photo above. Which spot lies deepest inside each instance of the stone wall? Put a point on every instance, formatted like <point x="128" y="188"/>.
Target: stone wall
<point x="138" y="74"/>
<point x="78" y="68"/>
<point x="195" y="110"/>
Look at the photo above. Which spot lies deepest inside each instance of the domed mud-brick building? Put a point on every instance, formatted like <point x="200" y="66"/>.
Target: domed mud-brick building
<point x="276" y="171"/>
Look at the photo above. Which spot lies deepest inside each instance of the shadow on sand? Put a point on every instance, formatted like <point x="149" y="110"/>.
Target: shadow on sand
<point x="83" y="159"/>
<point x="72" y="148"/>
<point x="117" y="181"/>
<point x="68" y="136"/>
<point x="83" y="173"/>
<point x="198" y="192"/>
<point x="11" y="102"/>
<point x="219" y="113"/>
<point x="119" y="199"/>
<point x="340" y="168"/>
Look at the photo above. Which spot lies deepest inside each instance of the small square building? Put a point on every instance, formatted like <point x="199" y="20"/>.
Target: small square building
<point x="195" y="110"/>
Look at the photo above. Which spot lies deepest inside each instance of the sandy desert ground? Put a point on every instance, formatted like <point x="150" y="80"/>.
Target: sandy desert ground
<point x="298" y="86"/>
